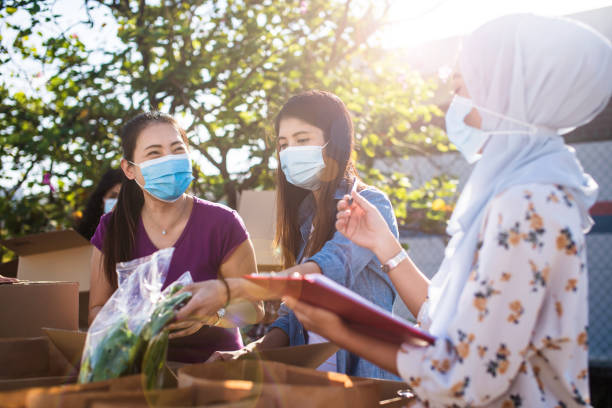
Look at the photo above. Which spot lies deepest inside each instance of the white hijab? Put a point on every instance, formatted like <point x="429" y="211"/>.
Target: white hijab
<point x="553" y="73"/>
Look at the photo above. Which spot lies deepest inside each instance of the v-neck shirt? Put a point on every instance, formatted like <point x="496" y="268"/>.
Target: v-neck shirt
<point x="213" y="231"/>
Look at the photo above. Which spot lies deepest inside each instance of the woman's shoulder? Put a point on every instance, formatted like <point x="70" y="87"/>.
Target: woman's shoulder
<point x="213" y="211"/>
<point x="98" y="237"/>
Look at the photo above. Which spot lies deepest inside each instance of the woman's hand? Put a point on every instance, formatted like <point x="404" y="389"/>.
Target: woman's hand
<point x="207" y="298"/>
<point x="4" y="279"/>
<point x="363" y="224"/>
<point x="227" y="355"/>
<point x="320" y="321"/>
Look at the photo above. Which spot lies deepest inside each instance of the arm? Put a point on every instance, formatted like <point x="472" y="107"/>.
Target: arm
<point x="363" y="224"/>
<point x="211" y="295"/>
<point x="100" y="290"/>
<point x="241" y="262"/>
<point x="497" y="313"/>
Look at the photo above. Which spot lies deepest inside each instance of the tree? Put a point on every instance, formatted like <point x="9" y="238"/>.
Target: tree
<point x="225" y="68"/>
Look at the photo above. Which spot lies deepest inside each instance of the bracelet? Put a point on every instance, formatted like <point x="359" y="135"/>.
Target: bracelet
<point x="393" y="262"/>
<point x="221" y="312"/>
<point x="227" y="292"/>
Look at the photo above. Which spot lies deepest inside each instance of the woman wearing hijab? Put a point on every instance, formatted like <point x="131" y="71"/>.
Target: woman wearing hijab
<point x="509" y="303"/>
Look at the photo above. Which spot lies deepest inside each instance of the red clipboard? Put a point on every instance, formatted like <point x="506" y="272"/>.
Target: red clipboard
<point x="359" y="313"/>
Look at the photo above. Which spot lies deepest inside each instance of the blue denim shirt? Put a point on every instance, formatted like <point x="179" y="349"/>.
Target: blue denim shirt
<point x="352" y="266"/>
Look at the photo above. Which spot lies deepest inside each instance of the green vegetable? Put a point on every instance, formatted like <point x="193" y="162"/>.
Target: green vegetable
<point x="163" y="314"/>
<point x="122" y="352"/>
<point x="154" y="359"/>
<point x="115" y="355"/>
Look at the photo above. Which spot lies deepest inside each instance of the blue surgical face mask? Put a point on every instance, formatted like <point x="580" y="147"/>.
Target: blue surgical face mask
<point x="302" y="165"/>
<point x="470" y="140"/>
<point x="166" y="178"/>
<point x="109" y="204"/>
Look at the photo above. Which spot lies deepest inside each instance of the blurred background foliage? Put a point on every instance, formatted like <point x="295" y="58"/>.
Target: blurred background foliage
<point x="223" y="68"/>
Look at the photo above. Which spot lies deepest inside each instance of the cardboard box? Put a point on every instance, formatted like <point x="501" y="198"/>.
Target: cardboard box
<point x="26" y="307"/>
<point x="71" y="343"/>
<point x="258" y="210"/>
<point x="307" y="355"/>
<point x="62" y="256"/>
<point x="32" y="361"/>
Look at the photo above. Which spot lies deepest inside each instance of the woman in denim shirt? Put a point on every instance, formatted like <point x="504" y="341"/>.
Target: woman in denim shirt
<point x="315" y="144"/>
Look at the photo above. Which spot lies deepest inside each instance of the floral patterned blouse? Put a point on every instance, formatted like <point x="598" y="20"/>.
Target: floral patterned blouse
<point x="519" y="337"/>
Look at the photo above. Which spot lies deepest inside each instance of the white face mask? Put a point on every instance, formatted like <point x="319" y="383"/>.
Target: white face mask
<point x="470" y="140"/>
<point x="302" y="165"/>
<point x="109" y="204"/>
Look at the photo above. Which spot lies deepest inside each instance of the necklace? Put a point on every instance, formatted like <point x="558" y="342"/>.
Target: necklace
<point x="164" y="231"/>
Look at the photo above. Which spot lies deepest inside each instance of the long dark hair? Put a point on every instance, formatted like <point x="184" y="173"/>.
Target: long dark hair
<point x="120" y="236"/>
<point x="327" y="112"/>
<point x="95" y="207"/>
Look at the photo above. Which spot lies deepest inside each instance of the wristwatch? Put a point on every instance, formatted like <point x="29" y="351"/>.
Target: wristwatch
<point x="393" y="262"/>
<point x="220" y="315"/>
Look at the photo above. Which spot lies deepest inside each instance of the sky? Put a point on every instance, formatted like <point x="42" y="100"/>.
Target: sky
<point x="416" y="22"/>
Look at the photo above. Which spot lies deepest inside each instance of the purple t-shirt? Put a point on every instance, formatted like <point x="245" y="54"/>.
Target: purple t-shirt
<point x="211" y="234"/>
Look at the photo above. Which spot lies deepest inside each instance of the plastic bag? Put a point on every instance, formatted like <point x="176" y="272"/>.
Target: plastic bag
<point x="127" y="336"/>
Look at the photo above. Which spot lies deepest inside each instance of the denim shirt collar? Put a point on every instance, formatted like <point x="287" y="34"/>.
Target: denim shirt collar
<point x="307" y="210"/>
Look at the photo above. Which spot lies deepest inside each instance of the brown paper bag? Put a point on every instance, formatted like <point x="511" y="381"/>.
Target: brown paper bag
<point x="279" y="385"/>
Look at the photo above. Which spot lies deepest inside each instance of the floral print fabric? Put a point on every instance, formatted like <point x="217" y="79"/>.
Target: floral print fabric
<point x="519" y="337"/>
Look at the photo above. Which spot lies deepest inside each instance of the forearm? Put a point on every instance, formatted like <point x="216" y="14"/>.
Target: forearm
<point x="243" y="289"/>
<point x="376" y="351"/>
<point x="273" y="339"/>
<point x="411" y="284"/>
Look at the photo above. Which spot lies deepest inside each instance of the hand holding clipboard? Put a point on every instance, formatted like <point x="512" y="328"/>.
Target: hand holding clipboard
<point x="357" y="312"/>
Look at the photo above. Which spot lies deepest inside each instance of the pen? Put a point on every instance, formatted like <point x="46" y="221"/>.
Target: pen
<point x="353" y="189"/>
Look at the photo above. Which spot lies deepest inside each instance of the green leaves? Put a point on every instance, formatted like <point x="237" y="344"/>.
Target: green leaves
<point x="225" y="69"/>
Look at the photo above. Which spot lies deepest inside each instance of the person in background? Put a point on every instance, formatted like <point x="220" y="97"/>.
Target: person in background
<point x="153" y="211"/>
<point x="315" y="141"/>
<point x="101" y="201"/>
<point x="509" y="305"/>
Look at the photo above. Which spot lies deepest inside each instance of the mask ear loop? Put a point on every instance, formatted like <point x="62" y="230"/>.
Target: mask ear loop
<point x="532" y="128"/>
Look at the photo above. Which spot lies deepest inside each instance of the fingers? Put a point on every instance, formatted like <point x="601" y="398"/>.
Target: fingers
<point x="299" y="308"/>
<point x="187" y="332"/>
<point x="216" y="356"/>
<point x="362" y="202"/>
<point x="224" y="356"/>
<point x="179" y="325"/>
<point x="187" y="310"/>
<point x="343" y="203"/>
<point x="291" y="302"/>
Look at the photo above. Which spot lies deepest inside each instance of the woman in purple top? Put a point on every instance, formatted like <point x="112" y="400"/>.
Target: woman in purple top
<point x="154" y="212"/>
